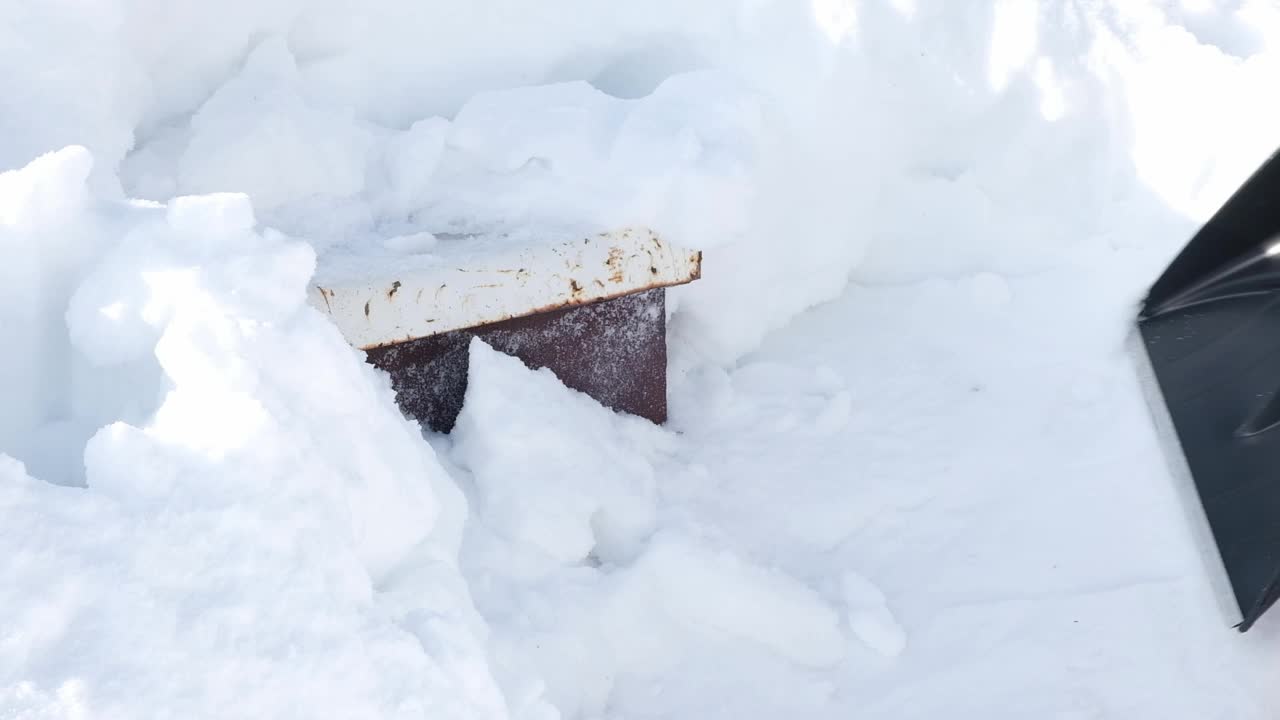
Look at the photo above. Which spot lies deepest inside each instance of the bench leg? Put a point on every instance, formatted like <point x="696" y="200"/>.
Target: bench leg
<point x="613" y="350"/>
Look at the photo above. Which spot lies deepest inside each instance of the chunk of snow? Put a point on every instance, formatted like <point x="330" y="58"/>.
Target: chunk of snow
<point x="714" y="590"/>
<point x="553" y="469"/>
<point x="259" y="134"/>
<point x="246" y="496"/>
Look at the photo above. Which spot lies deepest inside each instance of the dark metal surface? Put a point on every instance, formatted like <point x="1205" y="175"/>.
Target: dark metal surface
<point x="1239" y="230"/>
<point x="614" y="350"/>
<point x="1218" y="368"/>
<point x="1211" y="329"/>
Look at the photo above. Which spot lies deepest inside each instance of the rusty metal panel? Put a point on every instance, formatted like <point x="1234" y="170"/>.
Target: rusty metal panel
<point x="613" y="350"/>
<point x="469" y="282"/>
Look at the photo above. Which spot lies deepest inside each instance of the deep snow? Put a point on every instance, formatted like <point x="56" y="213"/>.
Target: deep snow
<point x="909" y="470"/>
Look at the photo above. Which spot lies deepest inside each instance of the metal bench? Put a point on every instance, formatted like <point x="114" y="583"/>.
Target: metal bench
<point x="591" y="309"/>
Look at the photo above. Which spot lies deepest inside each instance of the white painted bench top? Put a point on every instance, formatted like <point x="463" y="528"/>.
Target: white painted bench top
<point x="466" y="282"/>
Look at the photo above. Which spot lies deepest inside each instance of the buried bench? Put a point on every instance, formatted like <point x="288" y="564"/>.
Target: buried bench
<point x="591" y="309"/>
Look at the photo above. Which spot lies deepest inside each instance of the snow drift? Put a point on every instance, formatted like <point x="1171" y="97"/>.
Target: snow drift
<point x="212" y="508"/>
<point x="249" y="480"/>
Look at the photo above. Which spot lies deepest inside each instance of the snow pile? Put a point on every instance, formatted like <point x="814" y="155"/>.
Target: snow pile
<point x="784" y="138"/>
<point x="579" y="553"/>
<point x="350" y="124"/>
<point x="251" y="484"/>
<point x="565" y="496"/>
<point x="898" y="489"/>
<point x="259" y="134"/>
<point x="563" y="157"/>
<point x="212" y="507"/>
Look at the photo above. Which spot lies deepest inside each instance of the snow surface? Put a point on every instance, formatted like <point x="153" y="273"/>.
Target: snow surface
<point x="910" y="471"/>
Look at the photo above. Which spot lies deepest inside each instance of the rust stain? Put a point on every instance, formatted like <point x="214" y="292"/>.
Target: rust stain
<point x="598" y="284"/>
<point x="395" y="287"/>
<point x="614" y="264"/>
<point x="575" y="287"/>
<point x="366" y="308"/>
<point x="325" y="294"/>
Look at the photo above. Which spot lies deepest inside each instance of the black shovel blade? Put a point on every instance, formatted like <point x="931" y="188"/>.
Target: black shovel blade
<point x="1211" y="329"/>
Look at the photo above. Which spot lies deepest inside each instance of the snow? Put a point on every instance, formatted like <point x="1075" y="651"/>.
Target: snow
<point x="239" y="521"/>
<point x="562" y="478"/>
<point x="909" y="471"/>
<point x="309" y="152"/>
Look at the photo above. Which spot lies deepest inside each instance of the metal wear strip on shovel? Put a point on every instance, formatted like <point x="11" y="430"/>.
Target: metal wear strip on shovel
<point x="1210" y="326"/>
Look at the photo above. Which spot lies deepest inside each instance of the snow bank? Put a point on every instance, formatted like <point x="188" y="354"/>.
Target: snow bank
<point x="350" y="125"/>
<point x="249" y="488"/>
<point x="217" y="501"/>
<point x="786" y="139"/>
<point x="598" y="580"/>
<point x="257" y="134"/>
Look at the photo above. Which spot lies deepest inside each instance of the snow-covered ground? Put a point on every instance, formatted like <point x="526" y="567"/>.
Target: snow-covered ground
<point x="910" y="471"/>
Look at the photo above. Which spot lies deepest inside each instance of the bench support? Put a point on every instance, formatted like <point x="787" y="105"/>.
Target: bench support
<point x="613" y="350"/>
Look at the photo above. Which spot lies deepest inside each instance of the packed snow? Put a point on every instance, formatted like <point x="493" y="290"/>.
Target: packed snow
<point x="910" y="470"/>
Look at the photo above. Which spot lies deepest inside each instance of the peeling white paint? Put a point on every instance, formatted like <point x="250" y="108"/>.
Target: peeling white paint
<point x="404" y="305"/>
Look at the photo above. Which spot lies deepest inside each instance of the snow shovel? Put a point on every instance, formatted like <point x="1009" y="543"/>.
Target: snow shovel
<point x="1210" y="326"/>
